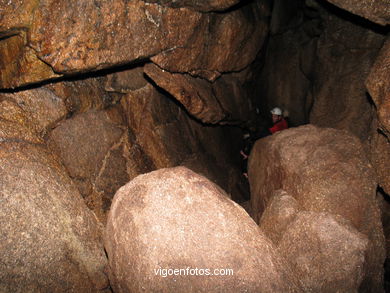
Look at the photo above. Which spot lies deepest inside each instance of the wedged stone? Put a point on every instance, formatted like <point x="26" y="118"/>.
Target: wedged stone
<point x="84" y="95"/>
<point x="89" y="145"/>
<point x="50" y="241"/>
<point x="176" y="219"/>
<point x="125" y="81"/>
<point x="195" y="94"/>
<point x="280" y="212"/>
<point x="41" y="106"/>
<point x="218" y="102"/>
<point x="15" y="123"/>
<point x="325" y="170"/>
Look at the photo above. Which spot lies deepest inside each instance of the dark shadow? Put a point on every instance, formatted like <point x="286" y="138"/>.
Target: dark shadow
<point x="385" y="222"/>
<point x="238" y="6"/>
<point x="78" y="76"/>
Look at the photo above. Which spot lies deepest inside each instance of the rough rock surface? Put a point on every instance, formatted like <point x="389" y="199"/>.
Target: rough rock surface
<point x="123" y="32"/>
<point x="380" y="158"/>
<point x="89" y="146"/>
<point x="105" y="139"/>
<point x="280" y="212"/>
<point x="206" y="53"/>
<point x="375" y="10"/>
<point x="50" y="241"/>
<point x="174" y="218"/>
<point x="211" y="102"/>
<point x="325" y="170"/>
<point x="378" y="85"/>
<point x="168" y="137"/>
<point x="195" y="94"/>
<point x="345" y="54"/>
<point x="19" y="65"/>
<point x="41" y="106"/>
<point x="326" y="252"/>
<point x="285" y="78"/>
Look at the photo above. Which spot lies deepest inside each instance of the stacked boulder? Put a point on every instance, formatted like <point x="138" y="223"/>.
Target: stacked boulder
<point x="176" y="221"/>
<point x="326" y="220"/>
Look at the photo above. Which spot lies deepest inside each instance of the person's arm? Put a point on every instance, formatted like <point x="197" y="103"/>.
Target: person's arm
<point x="274" y="128"/>
<point x="244" y="155"/>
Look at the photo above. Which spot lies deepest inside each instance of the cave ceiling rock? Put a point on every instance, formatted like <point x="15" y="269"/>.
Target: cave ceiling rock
<point x="377" y="11"/>
<point x="19" y="64"/>
<point x="47" y="38"/>
<point x="194" y="93"/>
<point x="219" y="102"/>
<point x="224" y="42"/>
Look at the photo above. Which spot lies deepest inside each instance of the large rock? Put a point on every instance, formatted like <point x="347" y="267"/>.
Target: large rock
<point x="280" y="212"/>
<point x="196" y="94"/>
<point x="225" y="42"/>
<point x="325" y="170"/>
<point x="41" y="106"/>
<point x="19" y="64"/>
<point x="345" y="54"/>
<point x="218" y="102"/>
<point x="375" y="10"/>
<point x="176" y="219"/>
<point x="169" y="137"/>
<point x="326" y="252"/>
<point x="119" y="32"/>
<point x="48" y="37"/>
<point x="50" y="241"/>
<point x="89" y="145"/>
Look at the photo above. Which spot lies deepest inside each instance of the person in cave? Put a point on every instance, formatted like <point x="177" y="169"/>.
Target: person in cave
<point x="279" y="124"/>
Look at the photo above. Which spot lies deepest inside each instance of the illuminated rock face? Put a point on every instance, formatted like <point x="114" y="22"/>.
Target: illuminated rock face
<point x="376" y="11"/>
<point x="52" y="38"/>
<point x="50" y="240"/>
<point x="175" y="219"/>
<point x="326" y="171"/>
<point x="107" y="90"/>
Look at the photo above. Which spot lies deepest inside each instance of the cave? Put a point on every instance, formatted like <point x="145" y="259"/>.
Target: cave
<point x="122" y="126"/>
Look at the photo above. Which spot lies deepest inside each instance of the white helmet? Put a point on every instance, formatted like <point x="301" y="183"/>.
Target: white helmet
<point x="276" y="111"/>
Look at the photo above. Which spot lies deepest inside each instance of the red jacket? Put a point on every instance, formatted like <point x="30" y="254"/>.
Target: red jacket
<point x="278" y="126"/>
